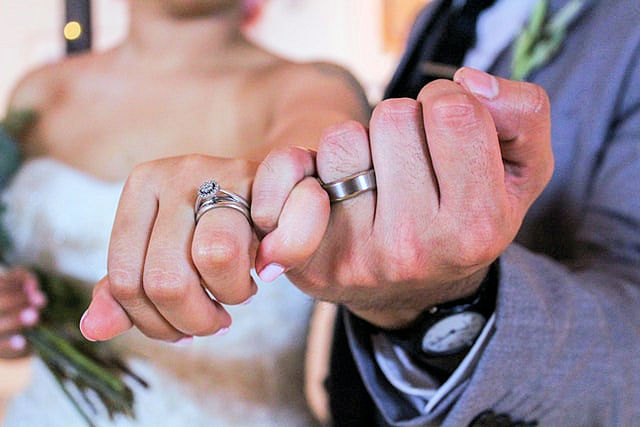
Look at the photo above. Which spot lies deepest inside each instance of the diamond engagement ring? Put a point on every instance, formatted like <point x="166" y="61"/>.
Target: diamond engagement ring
<point x="351" y="186"/>
<point x="211" y="196"/>
<point x="206" y="191"/>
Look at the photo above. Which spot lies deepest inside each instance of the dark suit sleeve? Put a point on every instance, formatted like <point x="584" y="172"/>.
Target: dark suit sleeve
<point x="566" y="349"/>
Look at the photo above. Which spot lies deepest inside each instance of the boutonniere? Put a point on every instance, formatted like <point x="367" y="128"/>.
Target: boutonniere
<point x="86" y="372"/>
<point x="542" y="37"/>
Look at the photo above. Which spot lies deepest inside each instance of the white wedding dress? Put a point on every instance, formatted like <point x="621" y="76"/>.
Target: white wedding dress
<point x="60" y="219"/>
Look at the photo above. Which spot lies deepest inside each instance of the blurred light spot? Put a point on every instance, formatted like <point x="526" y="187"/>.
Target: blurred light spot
<point x="72" y="30"/>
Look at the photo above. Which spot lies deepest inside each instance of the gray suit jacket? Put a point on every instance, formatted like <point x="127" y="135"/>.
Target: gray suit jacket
<point x="566" y="350"/>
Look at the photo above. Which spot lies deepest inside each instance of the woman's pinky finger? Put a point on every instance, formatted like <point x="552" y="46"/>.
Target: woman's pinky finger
<point x="301" y="228"/>
<point x="276" y="176"/>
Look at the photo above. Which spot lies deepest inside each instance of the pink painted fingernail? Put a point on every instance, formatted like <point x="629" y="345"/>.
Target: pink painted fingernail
<point x="38" y="299"/>
<point x="17" y="342"/>
<point x="183" y="342"/>
<point x="30" y="285"/>
<point x="221" y="332"/>
<point x="271" y="272"/>
<point x="29" y="317"/>
<point x="81" y="330"/>
<point x="478" y="82"/>
<point x="248" y="300"/>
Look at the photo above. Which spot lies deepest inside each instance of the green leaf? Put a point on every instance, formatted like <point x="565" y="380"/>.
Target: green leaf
<point x="542" y="38"/>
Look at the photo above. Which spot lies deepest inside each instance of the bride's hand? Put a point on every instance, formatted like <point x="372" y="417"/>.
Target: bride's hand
<point x="156" y="276"/>
<point x="20" y="304"/>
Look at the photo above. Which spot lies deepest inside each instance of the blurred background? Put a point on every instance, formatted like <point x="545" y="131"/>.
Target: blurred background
<point x="365" y="36"/>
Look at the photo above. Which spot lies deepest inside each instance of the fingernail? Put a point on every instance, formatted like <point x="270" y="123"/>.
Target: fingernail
<point x="30" y="285"/>
<point x="221" y="332"/>
<point x="478" y="82"/>
<point x="271" y="272"/>
<point x="248" y="300"/>
<point x="28" y="316"/>
<point x="38" y="299"/>
<point x="81" y="329"/>
<point x="17" y="342"/>
<point x="183" y="342"/>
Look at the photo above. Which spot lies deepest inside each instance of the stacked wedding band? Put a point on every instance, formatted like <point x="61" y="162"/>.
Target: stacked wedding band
<point x="211" y="196"/>
<point x="351" y="186"/>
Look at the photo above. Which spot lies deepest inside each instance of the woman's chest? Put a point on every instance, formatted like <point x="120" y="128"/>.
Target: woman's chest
<point x="107" y="130"/>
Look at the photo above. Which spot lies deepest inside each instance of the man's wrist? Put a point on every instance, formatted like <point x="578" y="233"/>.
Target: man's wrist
<point x="400" y="317"/>
<point x="440" y="337"/>
<point x="388" y="319"/>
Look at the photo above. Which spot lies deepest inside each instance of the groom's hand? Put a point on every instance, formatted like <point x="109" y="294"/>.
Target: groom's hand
<point x="456" y="172"/>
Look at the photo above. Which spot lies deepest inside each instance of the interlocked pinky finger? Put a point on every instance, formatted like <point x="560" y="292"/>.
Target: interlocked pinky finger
<point x="300" y="230"/>
<point x="276" y="176"/>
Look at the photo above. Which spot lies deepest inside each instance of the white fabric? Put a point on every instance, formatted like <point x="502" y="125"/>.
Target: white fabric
<point x="496" y="29"/>
<point x="60" y="219"/>
<point x="422" y="390"/>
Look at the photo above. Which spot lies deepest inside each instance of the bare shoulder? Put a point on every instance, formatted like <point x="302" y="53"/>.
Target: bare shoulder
<point x="34" y="90"/>
<point x="42" y="87"/>
<point x="318" y="73"/>
<point x="321" y="81"/>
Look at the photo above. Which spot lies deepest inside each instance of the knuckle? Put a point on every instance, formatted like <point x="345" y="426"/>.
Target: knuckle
<point x="163" y="286"/>
<point x="192" y="161"/>
<point x="433" y="87"/>
<point x="275" y="177"/>
<point x="389" y="109"/>
<point x="343" y="150"/>
<point x="281" y="159"/>
<point x="275" y="162"/>
<point x="139" y="176"/>
<point x="123" y="285"/>
<point x="218" y="251"/>
<point x="339" y="140"/>
<point x="396" y="117"/>
<point x="457" y="111"/>
<point x="142" y="170"/>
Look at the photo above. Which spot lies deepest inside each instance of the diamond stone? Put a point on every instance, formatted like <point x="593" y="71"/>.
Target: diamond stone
<point x="208" y="188"/>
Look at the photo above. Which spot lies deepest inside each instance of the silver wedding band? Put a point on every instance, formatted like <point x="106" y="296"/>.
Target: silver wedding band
<point x="351" y="186"/>
<point x="210" y="196"/>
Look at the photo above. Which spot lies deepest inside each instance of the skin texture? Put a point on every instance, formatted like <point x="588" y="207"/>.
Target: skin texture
<point x="184" y="81"/>
<point x="457" y="170"/>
